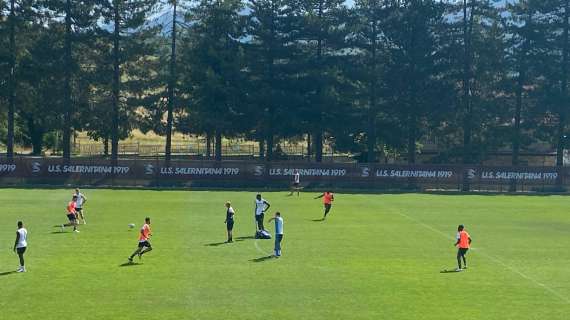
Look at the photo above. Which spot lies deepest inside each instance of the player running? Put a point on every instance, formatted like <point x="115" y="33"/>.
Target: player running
<point x="463" y="243"/>
<point x="229" y="221"/>
<point x="278" y="233"/>
<point x="144" y="244"/>
<point x="79" y="203"/>
<point x="71" y="215"/>
<point x="328" y="198"/>
<point x="261" y="205"/>
<point x="296" y="183"/>
<point x="21" y="244"/>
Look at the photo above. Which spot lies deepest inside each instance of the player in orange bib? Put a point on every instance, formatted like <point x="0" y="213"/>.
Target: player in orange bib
<point x="144" y="243"/>
<point x="463" y="243"/>
<point x="71" y="215"/>
<point x="328" y="198"/>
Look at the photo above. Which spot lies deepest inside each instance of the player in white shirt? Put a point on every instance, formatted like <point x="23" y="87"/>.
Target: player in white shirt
<point x="296" y="183"/>
<point x="79" y="203"/>
<point x="230" y="212"/>
<point x="261" y="205"/>
<point x="278" y="233"/>
<point x="21" y="244"/>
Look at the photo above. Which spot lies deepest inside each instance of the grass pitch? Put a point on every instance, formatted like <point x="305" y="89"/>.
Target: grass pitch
<point x="376" y="257"/>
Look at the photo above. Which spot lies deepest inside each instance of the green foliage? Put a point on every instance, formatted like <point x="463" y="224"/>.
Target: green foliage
<point x="374" y="76"/>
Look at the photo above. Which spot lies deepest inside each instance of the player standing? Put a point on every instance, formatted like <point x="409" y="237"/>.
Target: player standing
<point x="328" y="198"/>
<point x="463" y="243"/>
<point x="278" y="233"/>
<point x="21" y="244"/>
<point x="261" y="205"/>
<point x="71" y="215"/>
<point x="296" y="183"/>
<point x="229" y="221"/>
<point x="79" y="203"/>
<point x="144" y="243"/>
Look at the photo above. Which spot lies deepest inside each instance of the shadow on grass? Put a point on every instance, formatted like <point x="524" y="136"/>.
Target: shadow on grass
<point x="262" y="259"/>
<point x="130" y="264"/>
<point x="58" y="232"/>
<point x="245" y="238"/>
<point x="318" y="220"/>
<point x="7" y="273"/>
<point x="215" y="244"/>
<point x="450" y="271"/>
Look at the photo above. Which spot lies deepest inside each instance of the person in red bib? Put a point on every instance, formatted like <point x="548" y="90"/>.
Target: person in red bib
<point x="463" y="243"/>
<point x="328" y="198"/>
<point x="144" y="240"/>
<point x="71" y="215"/>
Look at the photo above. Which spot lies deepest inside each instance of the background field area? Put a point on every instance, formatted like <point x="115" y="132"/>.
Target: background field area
<point x="376" y="257"/>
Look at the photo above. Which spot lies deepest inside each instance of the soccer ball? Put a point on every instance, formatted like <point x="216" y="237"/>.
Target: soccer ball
<point x="131" y="225"/>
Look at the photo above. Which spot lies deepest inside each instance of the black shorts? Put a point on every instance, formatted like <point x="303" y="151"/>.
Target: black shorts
<point x="21" y="250"/>
<point x="230" y="224"/>
<point x="328" y="206"/>
<point x="462" y="251"/>
<point x="144" y="244"/>
<point x="71" y="217"/>
<point x="296" y="184"/>
<point x="78" y="209"/>
<point x="259" y="217"/>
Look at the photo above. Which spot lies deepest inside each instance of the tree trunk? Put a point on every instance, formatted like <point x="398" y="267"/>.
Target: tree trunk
<point x="318" y="145"/>
<point x="261" y="149"/>
<point x="270" y="143"/>
<point x="208" y="145"/>
<point x="517" y="127"/>
<point x="171" y="88"/>
<point x="116" y="83"/>
<point x="318" y="134"/>
<point x="412" y="134"/>
<point x="309" y="147"/>
<point x="106" y="146"/>
<point x="67" y="107"/>
<point x="218" y="151"/>
<point x="371" y="134"/>
<point x="36" y="135"/>
<point x="564" y="90"/>
<point x="466" y="84"/>
<point x="12" y="80"/>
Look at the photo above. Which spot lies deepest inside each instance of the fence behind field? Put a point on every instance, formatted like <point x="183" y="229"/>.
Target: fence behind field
<point x="197" y="148"/>
<point x="154" y="172"/>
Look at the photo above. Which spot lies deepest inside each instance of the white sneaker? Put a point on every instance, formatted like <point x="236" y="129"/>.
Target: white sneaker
<point x="62" y="227"/>
<point x="21" y="270"/>
<point x="84" y="222"/>
<point x="75" y="230"/>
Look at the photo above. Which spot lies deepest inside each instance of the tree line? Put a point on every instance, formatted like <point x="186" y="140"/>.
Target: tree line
<point x="369" y="77"/>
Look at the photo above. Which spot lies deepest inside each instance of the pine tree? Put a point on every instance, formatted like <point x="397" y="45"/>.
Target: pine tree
<point x="321" y="39"/>
<point x="127" y="18"/>
<point x="272" y="92"/>
<point x="215" y="76"/>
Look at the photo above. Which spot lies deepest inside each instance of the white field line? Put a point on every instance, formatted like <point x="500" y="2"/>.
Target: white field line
<point x="259" y="249"/>
<point x="494" y="259"/>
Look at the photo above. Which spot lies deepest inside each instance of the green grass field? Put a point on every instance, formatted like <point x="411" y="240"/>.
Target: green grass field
<point x="376" y="257"/>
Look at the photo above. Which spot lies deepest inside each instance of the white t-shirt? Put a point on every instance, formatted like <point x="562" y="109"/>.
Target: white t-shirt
<point x="230" y="213"/>
<point x="259" y="206"/>
<point x="79" y="200"/>
<point x="278" y="225"/>
<point x="23" y="240"/>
